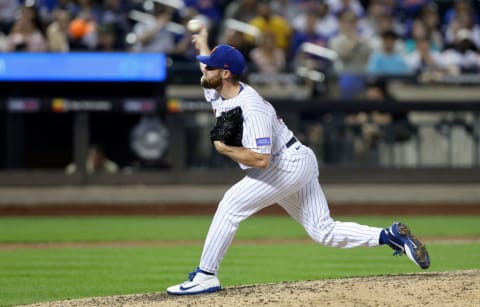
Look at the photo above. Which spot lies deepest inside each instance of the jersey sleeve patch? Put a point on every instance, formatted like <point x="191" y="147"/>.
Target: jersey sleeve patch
<point x="263" y="141"/>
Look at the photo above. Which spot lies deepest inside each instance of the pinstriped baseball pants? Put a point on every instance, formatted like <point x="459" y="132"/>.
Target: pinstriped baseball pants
<point x="291" y="181"/>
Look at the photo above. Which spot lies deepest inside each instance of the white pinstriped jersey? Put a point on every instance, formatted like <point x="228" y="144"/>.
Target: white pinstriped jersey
<point x="290" y="181"/>
<point x="263" y="131"/>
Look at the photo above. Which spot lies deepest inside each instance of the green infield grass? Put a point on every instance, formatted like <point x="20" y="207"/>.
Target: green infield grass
<point x="56" y="272"/>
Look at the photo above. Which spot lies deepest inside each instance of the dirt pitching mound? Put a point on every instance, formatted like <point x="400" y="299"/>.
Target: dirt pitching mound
<point x="457" y="288"/>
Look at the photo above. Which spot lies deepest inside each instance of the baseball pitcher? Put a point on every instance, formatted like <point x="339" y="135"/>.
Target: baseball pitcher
<point x="278" y="169"/>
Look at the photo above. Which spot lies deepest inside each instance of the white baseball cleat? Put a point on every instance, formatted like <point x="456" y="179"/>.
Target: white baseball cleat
<point x="198" y="282"/>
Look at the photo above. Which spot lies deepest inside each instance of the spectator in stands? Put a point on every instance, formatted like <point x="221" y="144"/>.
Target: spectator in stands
<point x="460" y="6"/>
<point x="267" y="21"/>
<point x="462" y="56"/>
<point x="45" y="9"/>
<point x="313" y="26"/>
<point x="420" y="31"/>
<point x="387" y="61"/>
<point x="376" y="9"/>
<point x="67" y="5"/>
<point x="430" y="16"/>
<point x="241" y="10"/>
<point x="306" y="32"/>
<point x="367" y="128"/>
<point x="107" y="38"/>
<point x="88" y="9"/>
<point x="27" y="34"/>
<point x="463" y="19"/>
<point x="424" y="59"/>
<point x="155" y="36"/>
<point x="339" y="6"/>
<point x="305" y="60"/>
<point x="267" y="58"/>
<point x="288" y="9"/>
<point x="353" y="51"/>
<point x="407" y="10"/>
<point x="384" y="23"/>
<point x="57" y="31"/>
<point x="31" y="9"/>
<point x="370" y="128"/>
<point x="96" y="162"/>
<point x="8" y="12"/>
<point x="209" y="8"/>
<point x="316" y="21"/>
<point x="115" y="16"/>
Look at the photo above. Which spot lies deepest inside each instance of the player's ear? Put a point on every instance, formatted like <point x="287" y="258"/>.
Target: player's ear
<point x="227" y="74"/>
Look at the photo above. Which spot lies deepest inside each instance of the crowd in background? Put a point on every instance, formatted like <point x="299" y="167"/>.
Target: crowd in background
<point x="425" y="38"/>
<point x="376" y="36"/>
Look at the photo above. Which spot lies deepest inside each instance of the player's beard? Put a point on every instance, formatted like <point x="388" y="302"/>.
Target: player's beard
<point x="213" y="83"/>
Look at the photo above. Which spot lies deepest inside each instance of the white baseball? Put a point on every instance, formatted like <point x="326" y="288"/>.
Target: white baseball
<point x="194" y="25"/>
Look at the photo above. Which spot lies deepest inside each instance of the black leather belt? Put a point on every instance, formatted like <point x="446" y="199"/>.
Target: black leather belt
<point x="292" y="141"/>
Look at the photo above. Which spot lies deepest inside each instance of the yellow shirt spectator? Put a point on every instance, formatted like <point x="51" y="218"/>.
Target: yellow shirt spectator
<point x="266" y="21"/>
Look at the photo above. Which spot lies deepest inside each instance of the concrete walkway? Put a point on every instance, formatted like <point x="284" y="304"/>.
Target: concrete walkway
<point x="207" y="194"/>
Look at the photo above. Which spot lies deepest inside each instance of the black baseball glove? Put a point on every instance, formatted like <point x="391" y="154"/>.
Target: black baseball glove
<point x="228" y="128"/>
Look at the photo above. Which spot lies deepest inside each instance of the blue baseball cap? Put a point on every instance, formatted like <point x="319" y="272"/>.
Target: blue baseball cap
<point x="225" y="57"/>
